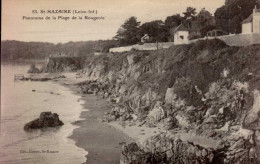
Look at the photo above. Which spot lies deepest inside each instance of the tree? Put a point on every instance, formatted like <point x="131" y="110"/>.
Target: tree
<point x="190" y="13"/>
<point x="204" y="30"/>
<point x="205" y="21"/>
<point x="189" y="16"/>
<point x="230" y="16"/>
<point x="156" y="31"/>
<point x="128" y="33"/>
<point x="222" y="18"/>
<point x="173" y="21"/>
<point x="205" y="18"/>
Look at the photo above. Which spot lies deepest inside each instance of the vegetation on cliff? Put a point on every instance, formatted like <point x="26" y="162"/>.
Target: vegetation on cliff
<point x="205" y="88"/>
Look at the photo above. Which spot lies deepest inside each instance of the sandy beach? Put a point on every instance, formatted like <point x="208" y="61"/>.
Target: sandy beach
<point x="101" y="140"/>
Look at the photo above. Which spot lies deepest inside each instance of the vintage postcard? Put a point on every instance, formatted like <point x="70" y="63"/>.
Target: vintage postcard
<point x="130" y="82"/>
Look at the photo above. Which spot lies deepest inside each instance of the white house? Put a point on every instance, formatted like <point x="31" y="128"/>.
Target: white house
<point x="181" y="35"/>
<point x="252" y="23"/>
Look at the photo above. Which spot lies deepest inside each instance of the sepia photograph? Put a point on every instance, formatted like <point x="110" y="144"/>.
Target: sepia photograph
<point x="130" y="82"/>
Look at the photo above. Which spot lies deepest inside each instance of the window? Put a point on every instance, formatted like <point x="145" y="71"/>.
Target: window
<point x="182" y="37"/>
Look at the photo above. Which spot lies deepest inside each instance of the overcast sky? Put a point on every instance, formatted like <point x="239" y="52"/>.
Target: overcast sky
<point x="114" y="11"/>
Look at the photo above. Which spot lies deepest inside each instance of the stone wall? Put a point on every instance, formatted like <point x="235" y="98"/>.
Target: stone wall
<point x="145" y="46"/>
<point x="236" y="39"/>
<point x="231" y="40"/>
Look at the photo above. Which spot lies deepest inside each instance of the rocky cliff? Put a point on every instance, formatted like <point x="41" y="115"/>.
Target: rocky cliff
<point x="60" y="64"/>
<point x="33" y="69"/>
<point x="206" y="89"/>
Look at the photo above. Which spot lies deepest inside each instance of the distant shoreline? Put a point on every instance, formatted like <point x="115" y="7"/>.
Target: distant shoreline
<point x="24" y="62"/>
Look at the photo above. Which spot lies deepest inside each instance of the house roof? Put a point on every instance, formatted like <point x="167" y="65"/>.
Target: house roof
<point x="146" y="35"/>
<point x="181" y="27"/>
<point x="250" y="18"/>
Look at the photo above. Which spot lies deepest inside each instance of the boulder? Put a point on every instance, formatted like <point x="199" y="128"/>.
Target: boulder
<point x="212" y="122"/>
<point x="156" y="114"/>
<point x="210" y="112"/>
<point x="243" y="133"/>
<point x="183" y="121"/>
<point x="252" y="120"/>
<point x="46" y="119"/>
<point x="86" y="90"/>
<point x="60" y="77"/>
<point x="170" y="96"/>
<point x="169" y="123"/>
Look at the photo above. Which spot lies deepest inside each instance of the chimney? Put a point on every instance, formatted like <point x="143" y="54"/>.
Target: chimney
<point x="255" y="9"/>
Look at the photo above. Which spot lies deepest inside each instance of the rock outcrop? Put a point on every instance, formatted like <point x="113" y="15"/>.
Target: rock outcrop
<point x="161" y="149"/>
<point x="33" y="69"/>
<point x="59" y="64"/>
<point x="46" y="119"/>
<point x="156" y="114"/>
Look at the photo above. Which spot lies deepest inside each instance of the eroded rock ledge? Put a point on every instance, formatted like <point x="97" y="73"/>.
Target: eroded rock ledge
<point x="164" y="148"/>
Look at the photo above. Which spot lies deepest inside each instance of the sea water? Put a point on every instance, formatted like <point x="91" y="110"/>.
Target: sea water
<point x="20" y="105"/>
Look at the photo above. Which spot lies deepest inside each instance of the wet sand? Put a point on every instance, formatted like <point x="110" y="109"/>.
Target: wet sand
<point x="101" y="140"/>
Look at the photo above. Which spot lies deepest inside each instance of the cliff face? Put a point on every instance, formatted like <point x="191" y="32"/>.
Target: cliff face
<point x="59" y="64"/>
<point x="33" y="69"/>
<point x="205" y="88"/>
